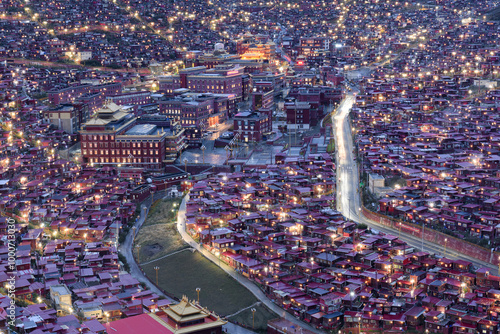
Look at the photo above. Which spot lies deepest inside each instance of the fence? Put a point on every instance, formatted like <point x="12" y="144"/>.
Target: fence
<point x="436" y="237"/>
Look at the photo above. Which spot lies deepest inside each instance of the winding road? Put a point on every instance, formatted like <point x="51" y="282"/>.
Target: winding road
<point x="349" y="201"/>
<point x="126" y="249"/>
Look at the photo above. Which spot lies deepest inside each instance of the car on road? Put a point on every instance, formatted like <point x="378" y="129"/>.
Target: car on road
<point x="227" y="135"/>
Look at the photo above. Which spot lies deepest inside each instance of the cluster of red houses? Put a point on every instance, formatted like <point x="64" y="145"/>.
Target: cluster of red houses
<point x="430" y="121"/>
<point x="276" y="226"/>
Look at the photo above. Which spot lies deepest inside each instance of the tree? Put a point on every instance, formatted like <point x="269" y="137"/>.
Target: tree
<point x="91" y="62"/>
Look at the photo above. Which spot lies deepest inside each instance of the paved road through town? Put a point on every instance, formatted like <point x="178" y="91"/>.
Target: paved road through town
<point x="348" y="196"/>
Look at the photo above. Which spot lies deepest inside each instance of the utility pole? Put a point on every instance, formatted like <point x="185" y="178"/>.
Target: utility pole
<point x="203" y="148"/>
<point x="156" y="268"/>
<point x="198" y="293"/>
<point x="423" y="230"/>
<point x="289" y="135"/>
<point x="445" y="242"/>
<point x="117" y="229"/>
<point x="295" y="132"/>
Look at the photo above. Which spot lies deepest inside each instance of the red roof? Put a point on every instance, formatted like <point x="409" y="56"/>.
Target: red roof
<point x="142" y="323"/>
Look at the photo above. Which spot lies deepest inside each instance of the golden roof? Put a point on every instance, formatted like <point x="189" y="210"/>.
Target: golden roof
<point x="110" y="107"/>
<point x="186" y="311"/>
<point x="184" y="307"/>
<point x="188" y="329"/>
<point x="103" y="121"/>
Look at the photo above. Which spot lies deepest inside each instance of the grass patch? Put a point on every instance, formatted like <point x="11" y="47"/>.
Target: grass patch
<point x="262" y="316"/>
<point x="182" y="273"/>
<point x="158" y="236"/>
<point x="331" y="146"/>
<point x="163" y="211"/>
<point x="156" y="241"/>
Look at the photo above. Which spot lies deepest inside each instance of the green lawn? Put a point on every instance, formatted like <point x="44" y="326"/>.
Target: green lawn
<point x="331" y="146"/>
<point x="158" y="236"/>
<point x="163" y="211"/>
<point x="156" y="241"/>
<point x="328" y="120"/>
<point x="182" y="273"/>
<point x="262" y="316"/>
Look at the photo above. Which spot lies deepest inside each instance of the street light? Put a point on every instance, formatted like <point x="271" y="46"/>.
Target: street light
<point x="423" y="231"/>
<point x="138" y="247"/>
<point x="218" y="255"/>
<point x="198" y="293"/>
<point x="203" y="148"/>
<point x="185" y="165"/>
<point x="253" y="317"/>
<point x="156" y="268"/>
<point x="445" y="242"/>
<point x="133" y="229"/>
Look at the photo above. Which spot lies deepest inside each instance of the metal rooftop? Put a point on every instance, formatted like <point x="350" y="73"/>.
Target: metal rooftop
<point x="142" y="130"/>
